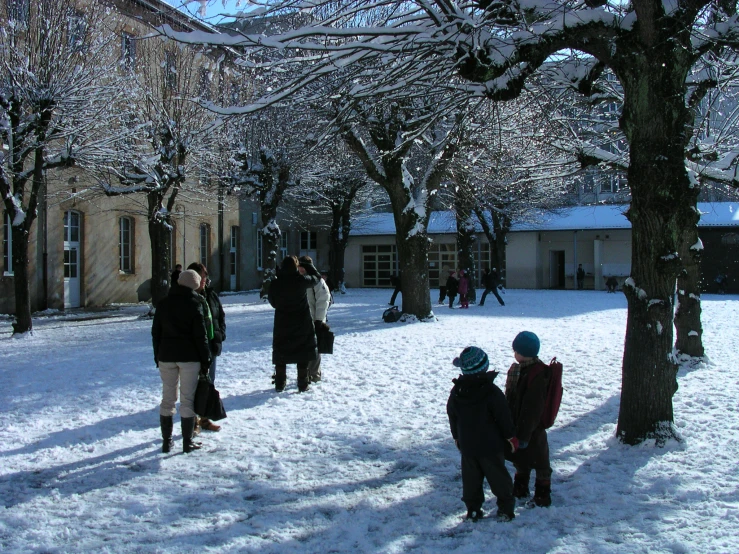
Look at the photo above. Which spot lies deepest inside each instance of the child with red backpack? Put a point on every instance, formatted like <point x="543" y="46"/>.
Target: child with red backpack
<point x="533" y="391"/>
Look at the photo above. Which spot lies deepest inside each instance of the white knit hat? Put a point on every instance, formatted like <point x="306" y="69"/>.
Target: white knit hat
<point x="189" y="278"/>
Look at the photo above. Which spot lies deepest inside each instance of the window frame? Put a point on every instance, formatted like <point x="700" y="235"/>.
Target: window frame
<point x="125" y="251"/>
<point x="7" y="246"/>
<point x="205" y="244"/>
<point x="308" y="240"/>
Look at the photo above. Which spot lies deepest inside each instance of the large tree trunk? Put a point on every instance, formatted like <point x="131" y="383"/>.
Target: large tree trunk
<point x="23" y="322"/>
<point x="688" y="313"/>
<point x="654" y="121"/>
<point x="413" y="260"/>
<point x="161" y="256"/>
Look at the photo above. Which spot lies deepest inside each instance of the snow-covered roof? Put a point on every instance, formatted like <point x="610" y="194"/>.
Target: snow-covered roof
<point x="577" y="218"/>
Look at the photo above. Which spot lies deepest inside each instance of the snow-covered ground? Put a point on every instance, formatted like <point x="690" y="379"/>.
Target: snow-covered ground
<point x="364" y="461"/>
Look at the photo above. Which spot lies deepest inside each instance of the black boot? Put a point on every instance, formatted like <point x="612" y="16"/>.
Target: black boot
<point x="303" y="382"/>
<point x="280" y="377"/>
<point x="165" y="422"/>
<point x="521" y="485"/>
<point x="188" y="423"/>
<point x="543" y="493"/>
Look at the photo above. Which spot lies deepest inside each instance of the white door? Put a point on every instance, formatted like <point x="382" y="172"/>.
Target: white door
<point x="71" y="259"/>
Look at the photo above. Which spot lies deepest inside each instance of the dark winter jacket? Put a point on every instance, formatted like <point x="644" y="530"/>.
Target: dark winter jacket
<point x="178" y="332"/>
<point x="526" y="396"/>
<point x="479" y="416"/>
<point x="490" y="280"/>
<point x="293" y="335"/>
<point x="219" y="321"/>
<point x="451" y="286"/>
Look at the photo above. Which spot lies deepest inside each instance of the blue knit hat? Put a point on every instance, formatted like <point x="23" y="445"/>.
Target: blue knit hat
<point x="527" y="344"/>
<point x="472" y="360"/>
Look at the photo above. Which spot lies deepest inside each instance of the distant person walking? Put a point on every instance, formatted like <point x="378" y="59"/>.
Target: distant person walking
<point x="181" y="352"/>
<point x="490" y="281"/>
<point x="463" y="288"/>
<point x="580" y="277"/>
<point x="451" y="288"/>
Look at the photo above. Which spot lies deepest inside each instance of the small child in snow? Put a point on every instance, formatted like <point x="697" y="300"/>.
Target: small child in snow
<point x="526" y="392"/>
<point x="481" y="424"/>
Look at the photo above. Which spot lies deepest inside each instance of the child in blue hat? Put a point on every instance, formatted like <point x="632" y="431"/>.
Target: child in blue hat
<point x="482" y="428"/>
<point x="526" y="392"/>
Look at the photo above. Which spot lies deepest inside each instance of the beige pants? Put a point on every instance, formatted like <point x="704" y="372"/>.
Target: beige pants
<point x="186" y="373"/>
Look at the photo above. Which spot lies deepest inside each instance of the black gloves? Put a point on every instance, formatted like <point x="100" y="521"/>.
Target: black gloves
<point x="320" y="325"/>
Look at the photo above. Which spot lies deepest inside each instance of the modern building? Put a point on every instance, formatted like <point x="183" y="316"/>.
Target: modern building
<point x="545" y="253"/>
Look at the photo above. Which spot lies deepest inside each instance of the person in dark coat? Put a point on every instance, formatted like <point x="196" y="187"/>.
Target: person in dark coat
<point x="451" y="288"/>
<point x="526" y="392"/>
<point x="580" y="277"/>
<point x="396" y="281"/>
<point x="611" y="284"/>
<point x="181" y="352"/>
<point x="175" y="274"/>
<point x="293" y="334"/>
<point x="490" y="281"/>
<point x="216" y="327"/>
<point x="482" y="429"/>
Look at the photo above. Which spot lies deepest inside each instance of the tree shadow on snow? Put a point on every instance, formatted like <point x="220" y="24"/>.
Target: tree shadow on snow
<point x="81" y="477"/>
<point x="92" y="433"/>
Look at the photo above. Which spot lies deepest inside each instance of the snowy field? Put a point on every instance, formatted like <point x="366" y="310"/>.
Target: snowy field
<point x="364" y="461"/>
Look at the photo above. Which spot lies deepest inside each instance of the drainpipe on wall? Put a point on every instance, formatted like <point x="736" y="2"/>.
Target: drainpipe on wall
<point x="221" y="252"/>
<point x="574" y="265"/>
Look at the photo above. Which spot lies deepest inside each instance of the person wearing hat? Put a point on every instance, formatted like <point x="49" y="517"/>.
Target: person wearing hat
<point x="181" y="352"/>
<point x="526" y="389"/>
<point x="482" y="429"/>
<point x="451" y="287"/>
<point x="319" y="300"/>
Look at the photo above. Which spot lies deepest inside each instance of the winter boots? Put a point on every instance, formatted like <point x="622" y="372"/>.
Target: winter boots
<point x="280" y="377"/>
<point x="475" y="515"/>
<point x="543" y="493"/>
<point x="521" y="485"/>
<point x="165" y="422"/>
<point x="188" y="424"/>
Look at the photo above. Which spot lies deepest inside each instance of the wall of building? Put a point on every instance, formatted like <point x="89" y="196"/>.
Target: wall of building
<point x="522" y="261"/>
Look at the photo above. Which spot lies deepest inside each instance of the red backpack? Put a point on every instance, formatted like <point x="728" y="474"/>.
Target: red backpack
<point x="554" y="393"/>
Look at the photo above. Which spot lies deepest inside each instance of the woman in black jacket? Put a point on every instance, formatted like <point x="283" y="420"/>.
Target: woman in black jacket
<point x="293" y="334"/>
<point x="181" y="352"/>
<point x="216" y="319"/>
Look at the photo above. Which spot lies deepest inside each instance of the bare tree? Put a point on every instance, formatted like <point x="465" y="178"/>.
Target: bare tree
<point x="178" y="147"/>
<point x="59" y="80"/>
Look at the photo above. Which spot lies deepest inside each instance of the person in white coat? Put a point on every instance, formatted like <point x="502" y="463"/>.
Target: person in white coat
<point x="319" y="300"/>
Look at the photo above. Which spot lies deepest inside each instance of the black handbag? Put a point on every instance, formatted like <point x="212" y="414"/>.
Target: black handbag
<point x="325" y="337"/>
<point x="208" y="402"/>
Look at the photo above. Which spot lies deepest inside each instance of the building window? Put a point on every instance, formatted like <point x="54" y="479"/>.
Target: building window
<point x="125" y="244"/>
<point x="71" y="226"/>
<point x="378" y="264"/>
<point x="204" y="243"/>
<point x="7" y="246"/>
<point x="283" y="245"/>
<point x="260" y="264"/>
<point x="128" y="51"/>
<point x="18" y="10"/>
<point x="232" y="255"/>
<point x="441" y="258"/>
<point x="308" y="240"/>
